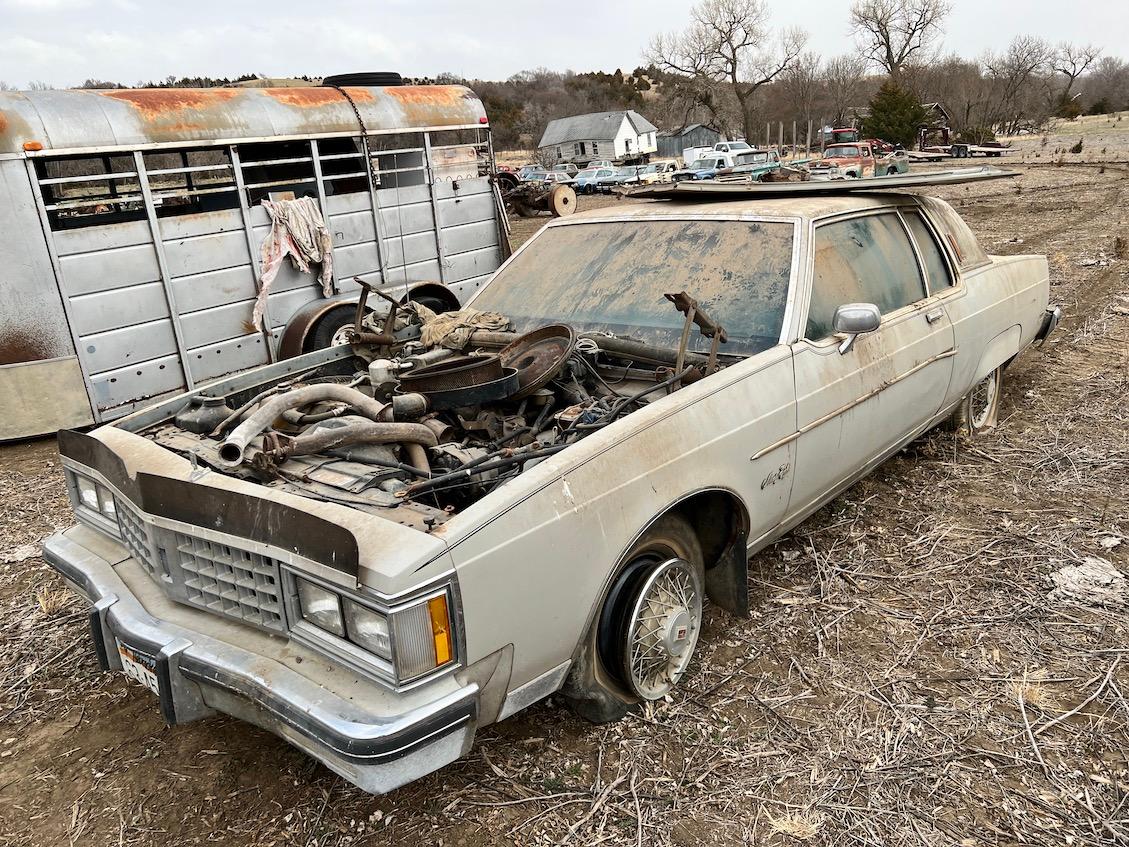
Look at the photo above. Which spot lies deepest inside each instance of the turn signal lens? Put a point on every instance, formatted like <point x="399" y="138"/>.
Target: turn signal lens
<point x="33" y="146"/>
<point x="440" y="629"/>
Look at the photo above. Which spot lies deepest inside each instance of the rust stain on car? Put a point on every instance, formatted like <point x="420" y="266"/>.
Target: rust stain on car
<point x="305" y="98"/>
<point x="156" y="103"/>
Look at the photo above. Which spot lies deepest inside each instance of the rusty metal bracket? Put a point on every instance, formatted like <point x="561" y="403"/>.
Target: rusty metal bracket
<point x="709" y="328"/>
<point x="360" y="336"/>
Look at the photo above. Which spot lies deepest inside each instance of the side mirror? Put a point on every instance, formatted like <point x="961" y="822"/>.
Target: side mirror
<point x="854" y="319"/>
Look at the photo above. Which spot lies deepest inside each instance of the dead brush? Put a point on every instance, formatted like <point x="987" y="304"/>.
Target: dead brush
<point x="51" y="600"/>
<point x="1033" y="691"/>
<point x="802" y="826"/>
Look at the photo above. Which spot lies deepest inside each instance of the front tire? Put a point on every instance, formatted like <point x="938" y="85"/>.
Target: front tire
<point x="645" y="633"/>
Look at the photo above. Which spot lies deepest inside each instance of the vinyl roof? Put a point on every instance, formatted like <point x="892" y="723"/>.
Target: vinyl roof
<point x="74" y="120"/>
<point x="814" y="206"/>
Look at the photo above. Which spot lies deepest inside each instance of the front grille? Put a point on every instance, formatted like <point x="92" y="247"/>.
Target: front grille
<point x="230" y="581"/>
<point x="218" y="577"/>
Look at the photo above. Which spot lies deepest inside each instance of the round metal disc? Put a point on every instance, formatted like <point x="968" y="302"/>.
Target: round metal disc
<point x="538" y="355"/>
<point x="562" y="201"/>
<point x="665" y="622"/>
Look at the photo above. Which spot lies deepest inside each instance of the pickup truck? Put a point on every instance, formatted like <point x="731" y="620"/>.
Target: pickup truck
<point x="845" y="161"/>
<point x="752" y="165"/>
<point x="378" y="549"/>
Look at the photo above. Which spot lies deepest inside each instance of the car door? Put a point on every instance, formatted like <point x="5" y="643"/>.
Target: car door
<point x="854" y="408"/>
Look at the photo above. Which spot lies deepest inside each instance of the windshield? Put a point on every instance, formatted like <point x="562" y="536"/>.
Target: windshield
<point x="588" y="172"/>
<point x="702" y="165"/>
<point x="841" y="152"/>
<point x="626" y="172"/>
<point x="611" y="277"/>
<point x="738" y="145"/>
<point x="752" y="158"/>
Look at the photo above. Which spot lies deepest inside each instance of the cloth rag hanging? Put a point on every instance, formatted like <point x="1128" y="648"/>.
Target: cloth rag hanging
<point x="297" y="230"/>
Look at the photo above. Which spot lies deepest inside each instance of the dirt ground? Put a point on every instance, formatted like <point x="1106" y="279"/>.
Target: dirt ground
<point x="906" y="676"/>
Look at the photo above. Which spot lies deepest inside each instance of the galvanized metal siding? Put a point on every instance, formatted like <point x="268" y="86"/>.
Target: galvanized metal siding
<point x="33" y="326"/>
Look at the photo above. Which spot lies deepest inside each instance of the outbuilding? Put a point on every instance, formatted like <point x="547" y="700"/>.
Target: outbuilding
<point x="623" y="136"/>
<point x="672" y="143"/>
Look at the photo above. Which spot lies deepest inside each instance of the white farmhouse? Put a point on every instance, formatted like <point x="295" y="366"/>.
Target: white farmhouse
<point x="622" y="136"/>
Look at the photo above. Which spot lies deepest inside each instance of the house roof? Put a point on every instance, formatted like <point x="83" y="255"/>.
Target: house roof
<point x="597" y="125"/>
<point x="686" y="130"/>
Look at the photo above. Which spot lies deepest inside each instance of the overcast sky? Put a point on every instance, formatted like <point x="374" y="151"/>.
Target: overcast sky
<point x="63" y="42"/>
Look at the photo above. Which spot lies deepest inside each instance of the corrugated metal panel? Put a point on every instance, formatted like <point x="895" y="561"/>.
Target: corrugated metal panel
<point x="83" y="120"/>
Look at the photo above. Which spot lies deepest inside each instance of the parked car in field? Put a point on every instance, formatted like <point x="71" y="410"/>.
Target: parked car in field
<point x="566" y="167"/>
<point x="558" y="177"/>
<point x="656" y="172"/>
<point x="732" y="146"/>
<point x="622" y="177"/>
<point x="704" y="168"/>
<point x="752" y="165"/>
<point x="531" y="173"/>
<point x="844" y="161"/>
<point x="894" y="162"/>
<point x="586" y="181"/>
<point x="325" y="547"/>
<point x="600" y="163"/>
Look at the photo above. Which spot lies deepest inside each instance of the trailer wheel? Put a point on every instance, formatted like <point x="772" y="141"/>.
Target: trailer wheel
<point x="332" y="329"/>
<point x="562" y="201"/>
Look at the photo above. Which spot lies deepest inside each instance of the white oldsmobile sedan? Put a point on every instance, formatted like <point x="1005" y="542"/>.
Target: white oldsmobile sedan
<point x="377" y="549"/>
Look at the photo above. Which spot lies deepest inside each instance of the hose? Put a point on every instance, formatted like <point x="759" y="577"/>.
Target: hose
<point x="357" y="430"/>
<point x="231" y="451"/>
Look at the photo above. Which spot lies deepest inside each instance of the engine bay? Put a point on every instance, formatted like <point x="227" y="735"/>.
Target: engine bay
<point x="432" y="412"/>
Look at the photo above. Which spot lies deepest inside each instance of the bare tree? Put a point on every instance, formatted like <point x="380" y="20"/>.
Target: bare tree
<point x="729" y="42"/>
<point x="1016" y="77"/>
<point x="892" y="33"/>
<point x="39" y="85"/>
<point x="802" y="84"/>
<point x="844" y="78"/>
<point x="1072" y="61"/>
<point x="1108" y="84"/>
<point x="4" y="86"/>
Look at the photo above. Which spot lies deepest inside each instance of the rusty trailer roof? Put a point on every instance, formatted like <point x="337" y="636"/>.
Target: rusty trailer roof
<point x="79" y="120"/>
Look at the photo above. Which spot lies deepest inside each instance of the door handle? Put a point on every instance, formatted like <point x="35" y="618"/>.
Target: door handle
<point x="935" y="315"/>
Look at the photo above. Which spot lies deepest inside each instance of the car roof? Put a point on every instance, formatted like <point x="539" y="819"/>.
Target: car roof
<point x="814" y="206"/>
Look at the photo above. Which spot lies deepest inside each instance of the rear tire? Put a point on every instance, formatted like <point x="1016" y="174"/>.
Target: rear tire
<point x="978" y="411"/>
<point x="601" y="687"/>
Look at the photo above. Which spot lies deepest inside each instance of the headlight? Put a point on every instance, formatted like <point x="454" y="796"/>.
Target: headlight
<point x="368" y="629"/>
<point x="94" y="504"/>
<point x="321" y="607"/>
<point x="410" y="640"/>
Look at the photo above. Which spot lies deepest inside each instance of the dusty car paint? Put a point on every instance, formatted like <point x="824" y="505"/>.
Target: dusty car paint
<point x="761" y="442"/>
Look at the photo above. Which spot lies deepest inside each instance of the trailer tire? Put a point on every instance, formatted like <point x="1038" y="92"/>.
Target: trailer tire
<point x="330" y="328"/>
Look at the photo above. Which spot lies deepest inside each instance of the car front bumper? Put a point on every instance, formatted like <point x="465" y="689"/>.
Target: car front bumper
<point x="375" y="738"/>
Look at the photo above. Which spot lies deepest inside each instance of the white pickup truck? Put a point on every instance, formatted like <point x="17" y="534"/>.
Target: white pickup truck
<point x="378" y="549"/>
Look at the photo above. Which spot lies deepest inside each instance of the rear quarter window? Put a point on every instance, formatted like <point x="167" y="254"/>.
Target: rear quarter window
<point x="962" y="244"/>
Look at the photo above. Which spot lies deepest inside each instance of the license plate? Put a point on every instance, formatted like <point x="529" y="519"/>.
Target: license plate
<point x="140" y="667"/>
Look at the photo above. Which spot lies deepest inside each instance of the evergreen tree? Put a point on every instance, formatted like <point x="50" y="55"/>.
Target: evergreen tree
<point x="895" y="115"/>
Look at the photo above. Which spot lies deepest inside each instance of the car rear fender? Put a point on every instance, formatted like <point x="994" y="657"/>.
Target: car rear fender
<point x="999" y="350"/>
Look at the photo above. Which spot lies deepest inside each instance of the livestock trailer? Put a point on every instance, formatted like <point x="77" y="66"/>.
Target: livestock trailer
<point x="131" y="224"/>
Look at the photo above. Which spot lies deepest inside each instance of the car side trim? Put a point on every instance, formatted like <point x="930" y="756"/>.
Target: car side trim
<point x="848" y="406"/>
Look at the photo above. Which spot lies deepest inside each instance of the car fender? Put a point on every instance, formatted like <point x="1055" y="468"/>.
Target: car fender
<point x="998" y="351"/>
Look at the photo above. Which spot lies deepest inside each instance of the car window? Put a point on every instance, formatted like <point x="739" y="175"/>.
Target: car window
<point x="611" y="277"/>
<point x="862" y="260"/>
<point x="936" y="268"/>
<point x="968" y="252"/>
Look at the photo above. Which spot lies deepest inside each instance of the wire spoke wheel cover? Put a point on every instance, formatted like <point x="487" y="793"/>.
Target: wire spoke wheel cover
<point x="662" y="629"/>
<point x="982" y="402"/>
